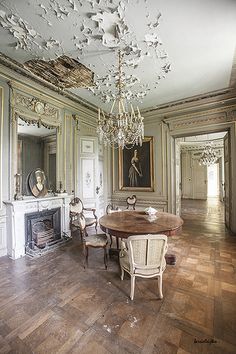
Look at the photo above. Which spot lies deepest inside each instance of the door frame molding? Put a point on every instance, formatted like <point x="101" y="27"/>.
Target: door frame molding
<point x="229" y="127"/>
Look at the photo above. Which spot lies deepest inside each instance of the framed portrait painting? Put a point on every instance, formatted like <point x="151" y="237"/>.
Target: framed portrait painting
<point x="136" y="167"/>
<point x="38" y="183"/>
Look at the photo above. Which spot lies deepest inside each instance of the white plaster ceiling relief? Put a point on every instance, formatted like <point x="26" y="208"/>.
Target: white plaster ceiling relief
<point x="156" y="23"/>
<point x="94" y="30"/>
<point x="111" y="26"/>
<point x="55" y="9"/>
<point x="100" y="27"/>
<point x="52" y="43"/>
<point x="105" y="88"/>
<point x="19" y="28"/>
<point x="115" y="32"/>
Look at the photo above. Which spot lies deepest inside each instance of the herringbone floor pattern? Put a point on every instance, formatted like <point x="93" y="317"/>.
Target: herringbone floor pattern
<point x="52" y="305"/>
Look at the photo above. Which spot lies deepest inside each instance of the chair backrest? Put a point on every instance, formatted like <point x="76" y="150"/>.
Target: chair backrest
<point x="131" y="202"/>
<point x="111" y="208"/>
<point x="147" y="251"/>
<point x="76" y="205"/>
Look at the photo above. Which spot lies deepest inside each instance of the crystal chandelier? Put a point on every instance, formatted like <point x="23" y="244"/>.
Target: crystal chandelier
<point x="120" y="128"/>
<point x="208" y="156"/>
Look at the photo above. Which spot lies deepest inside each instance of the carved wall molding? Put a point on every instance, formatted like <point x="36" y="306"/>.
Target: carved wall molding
<point x="202" y="120"/>
<point x="87" y="130"/>
<point x="217" y="98"/>
<point x="34" y="110"/>
<point x="201" y="146"/>
<point x="161" y="205"/>
<point x="76" y="120"/>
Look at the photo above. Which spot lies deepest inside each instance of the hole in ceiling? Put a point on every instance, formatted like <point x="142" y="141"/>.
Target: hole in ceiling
<point x="64" y="72"/>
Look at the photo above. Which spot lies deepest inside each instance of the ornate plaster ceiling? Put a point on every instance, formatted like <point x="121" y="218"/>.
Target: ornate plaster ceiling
<point x="174" y="49"/>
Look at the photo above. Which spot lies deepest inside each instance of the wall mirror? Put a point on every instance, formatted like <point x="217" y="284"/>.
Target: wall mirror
<point x="36" y="149"/>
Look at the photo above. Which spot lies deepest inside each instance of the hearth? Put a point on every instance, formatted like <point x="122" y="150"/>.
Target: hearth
<point x="42" y="230"/>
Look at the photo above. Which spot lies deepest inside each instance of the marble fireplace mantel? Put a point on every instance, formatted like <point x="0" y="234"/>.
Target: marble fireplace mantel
<point x="16" y="211"/>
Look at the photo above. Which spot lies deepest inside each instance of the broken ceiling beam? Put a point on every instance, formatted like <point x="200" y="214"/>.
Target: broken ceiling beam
<point x="63" y="72"/>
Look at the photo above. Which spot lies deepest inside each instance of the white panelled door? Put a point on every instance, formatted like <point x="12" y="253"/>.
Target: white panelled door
<point x="199" y="177"/>
<point x="90" y="173"/>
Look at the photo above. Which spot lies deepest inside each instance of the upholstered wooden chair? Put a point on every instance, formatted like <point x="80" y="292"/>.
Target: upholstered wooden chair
<point x="131" y="202"/>
<point x="144" y="256"/>
<point x="94" y="241"/>
<point x="111" y="208"/>
<point x="76" y="208"/>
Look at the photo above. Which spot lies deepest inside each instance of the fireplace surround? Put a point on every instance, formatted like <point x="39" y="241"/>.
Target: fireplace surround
<point x="17" y="212"/>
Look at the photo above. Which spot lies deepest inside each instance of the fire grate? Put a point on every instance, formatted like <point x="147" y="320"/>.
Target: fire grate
<point x="43" y="232"/>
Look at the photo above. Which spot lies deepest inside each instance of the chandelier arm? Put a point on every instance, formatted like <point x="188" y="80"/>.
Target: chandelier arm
<point x="121" y="129"/>
<point x="113" y="105"/>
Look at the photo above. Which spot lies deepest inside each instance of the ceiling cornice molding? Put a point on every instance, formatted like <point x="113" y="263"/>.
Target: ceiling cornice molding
<point x="228" y="112"/>
<point x="16" y="71"/>
<point x="232" y="82"/>
<point x="196" y="146"/>
<point x="193" y="104"/>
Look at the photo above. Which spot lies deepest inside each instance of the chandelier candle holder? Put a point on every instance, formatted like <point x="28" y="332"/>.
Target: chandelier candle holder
<point x="120" y="128"/>
<point x="208" y="156"/>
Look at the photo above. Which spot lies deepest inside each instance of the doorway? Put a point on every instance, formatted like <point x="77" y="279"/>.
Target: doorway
<point x="213" y="181"/>
<point x="199" y="181"/>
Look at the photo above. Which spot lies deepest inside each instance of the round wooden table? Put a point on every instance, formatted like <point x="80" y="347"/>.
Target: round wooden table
<point x="123" y="224"/>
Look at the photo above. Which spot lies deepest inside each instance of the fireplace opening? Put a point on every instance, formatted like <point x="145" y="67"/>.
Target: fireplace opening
<point x="42" y="229"/>
<point x="42" y="233"/>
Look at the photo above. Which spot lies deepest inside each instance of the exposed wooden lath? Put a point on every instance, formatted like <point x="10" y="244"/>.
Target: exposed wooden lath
<point x="63" y="72"/>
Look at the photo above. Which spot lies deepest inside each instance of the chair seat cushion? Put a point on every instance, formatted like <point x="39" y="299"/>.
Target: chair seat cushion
<point x="75" y="223"/>
<point x="98" y="240"/>
<point x="90" y="221"/>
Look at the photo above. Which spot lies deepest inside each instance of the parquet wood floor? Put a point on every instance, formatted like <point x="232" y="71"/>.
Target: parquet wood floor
<point x="52" y="305"/>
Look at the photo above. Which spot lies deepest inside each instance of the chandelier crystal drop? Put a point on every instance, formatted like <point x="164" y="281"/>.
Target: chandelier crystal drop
<point x="120" y="128"/>
<point x="208" y="156"/>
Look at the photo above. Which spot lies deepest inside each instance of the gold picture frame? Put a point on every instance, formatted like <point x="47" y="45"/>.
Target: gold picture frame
<point x="136" y="172"/>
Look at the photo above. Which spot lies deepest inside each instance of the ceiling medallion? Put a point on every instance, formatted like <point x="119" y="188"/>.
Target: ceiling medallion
<point x="120" y="128"/>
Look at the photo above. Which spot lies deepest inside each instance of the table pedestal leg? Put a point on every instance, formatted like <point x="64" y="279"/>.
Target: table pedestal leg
<point x="114" y="251"/>
<point x="170" y="259"/>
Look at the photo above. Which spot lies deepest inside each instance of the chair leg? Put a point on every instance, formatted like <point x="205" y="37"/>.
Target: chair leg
<point x="86" y="255"/>
<point x="160" y="286"/>
<point x="110" y="240"/>
<point x="96" y="227"/>
<point x="81" y="234"/>
<point x="105" y="257"/>
<point x="122" y="274"/>
<point x="132" y="287"/>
